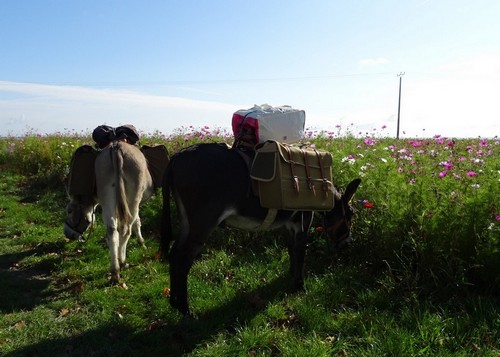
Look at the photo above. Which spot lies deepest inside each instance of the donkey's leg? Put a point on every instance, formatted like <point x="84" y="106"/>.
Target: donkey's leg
<point x="122" y="248"/>
<point x="297" y="252"/>
<point x="181" y="260"/>
<point x="137" y="231"/>
<point x="297" y="244"/>
<point x="184" y="251"/>
<point x="112" y="239"/>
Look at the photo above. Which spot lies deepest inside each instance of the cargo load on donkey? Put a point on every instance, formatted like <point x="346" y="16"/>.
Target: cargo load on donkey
<point x="286" y="177"/>
<point x="81" y="179"/>
<point x="264" y="122"/>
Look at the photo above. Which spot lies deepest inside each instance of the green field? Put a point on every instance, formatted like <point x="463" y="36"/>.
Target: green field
<point x="422" y="277"/>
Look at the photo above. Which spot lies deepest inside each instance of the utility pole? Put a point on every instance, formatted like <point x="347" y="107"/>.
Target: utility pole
<point x="400" y="75"/>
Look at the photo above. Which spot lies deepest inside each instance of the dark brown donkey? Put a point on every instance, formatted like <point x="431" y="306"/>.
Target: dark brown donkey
<point x="210" y="184"/>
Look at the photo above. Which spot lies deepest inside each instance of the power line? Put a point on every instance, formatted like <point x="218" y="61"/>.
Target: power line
<point x="209" y="81"/>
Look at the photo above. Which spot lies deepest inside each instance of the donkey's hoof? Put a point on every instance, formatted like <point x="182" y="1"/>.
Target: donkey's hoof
<point x="297" y="289"/>
<point x="114" y="279"/>
<point x="182" y="307"/>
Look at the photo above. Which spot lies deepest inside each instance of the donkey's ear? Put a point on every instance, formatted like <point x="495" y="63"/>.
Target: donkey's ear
<point x="351" y="189"/>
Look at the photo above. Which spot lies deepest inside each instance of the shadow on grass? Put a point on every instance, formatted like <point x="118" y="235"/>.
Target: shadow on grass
<point x="23" y="288"/>
<point x="167" y="338"/>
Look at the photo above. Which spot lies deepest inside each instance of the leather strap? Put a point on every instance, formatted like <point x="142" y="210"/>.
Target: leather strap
<point x="310" y="182"/>
<point x="324" y="185"/>
<point x="295" y="179"/>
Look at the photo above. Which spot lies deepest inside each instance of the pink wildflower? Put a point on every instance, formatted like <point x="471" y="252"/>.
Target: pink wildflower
<point x="446" y="164"/>
<point x="368" y="141"/>
<point x="483" y="143"/>
<point x="442" y="174"/>
<point x="471" y="174"/>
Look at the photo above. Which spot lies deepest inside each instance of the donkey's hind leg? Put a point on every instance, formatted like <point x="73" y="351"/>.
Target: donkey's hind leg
<point x="112" y="240"/>
<point x="182" y="256"/>
<point x="137" y="231"/>
<point x="122" y="248"/>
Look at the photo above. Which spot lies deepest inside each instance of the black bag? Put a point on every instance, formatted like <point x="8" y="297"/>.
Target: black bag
<point x="104" y="134"/>
<point x="81" y="179"/>
<point x="157" y="158"/>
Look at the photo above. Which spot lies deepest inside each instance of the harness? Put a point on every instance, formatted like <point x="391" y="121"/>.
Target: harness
<point x="344" y="239"/>
<point x="80" y="234"/>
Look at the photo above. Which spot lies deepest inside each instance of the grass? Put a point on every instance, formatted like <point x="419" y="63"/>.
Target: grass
<point x="420" y="280"/>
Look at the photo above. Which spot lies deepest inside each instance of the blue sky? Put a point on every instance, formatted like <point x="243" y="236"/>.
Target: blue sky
<point x="162" y="65"/>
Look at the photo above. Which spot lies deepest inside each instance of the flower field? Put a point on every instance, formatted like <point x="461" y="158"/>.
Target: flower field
<point x="425" y="257"/>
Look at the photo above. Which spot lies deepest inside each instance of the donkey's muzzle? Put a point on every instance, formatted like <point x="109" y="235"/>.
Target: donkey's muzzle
<point x="71" y="233"/>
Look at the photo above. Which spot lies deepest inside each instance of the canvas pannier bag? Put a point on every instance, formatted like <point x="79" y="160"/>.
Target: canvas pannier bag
<point x="81" y="179"/>
<point x="293" y="178"/>
<point x="157" y="158"/>
<point x="262" y="123"/>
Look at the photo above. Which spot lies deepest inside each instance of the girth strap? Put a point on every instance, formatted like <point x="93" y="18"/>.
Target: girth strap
<point x="269" y="220"/>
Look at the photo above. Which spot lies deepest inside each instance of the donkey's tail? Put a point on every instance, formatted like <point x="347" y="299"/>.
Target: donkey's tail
<point x="166" y="218"/>
<point x="122" y="209"/>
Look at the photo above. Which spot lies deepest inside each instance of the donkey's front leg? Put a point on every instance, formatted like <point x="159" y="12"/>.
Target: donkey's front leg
<point x="297" y="252"/>
<point x="297" y="244"/>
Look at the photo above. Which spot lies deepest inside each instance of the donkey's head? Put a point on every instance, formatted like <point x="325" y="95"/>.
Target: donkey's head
<point x="79" y="215"/>
<point x="338" y="221"/>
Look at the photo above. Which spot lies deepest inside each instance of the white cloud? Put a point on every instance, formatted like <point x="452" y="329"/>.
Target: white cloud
<point x="482" y="65"/>
<point x="106" y="96"/>
<point x="52" y="108"/>
<point x="373" y="61"/>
